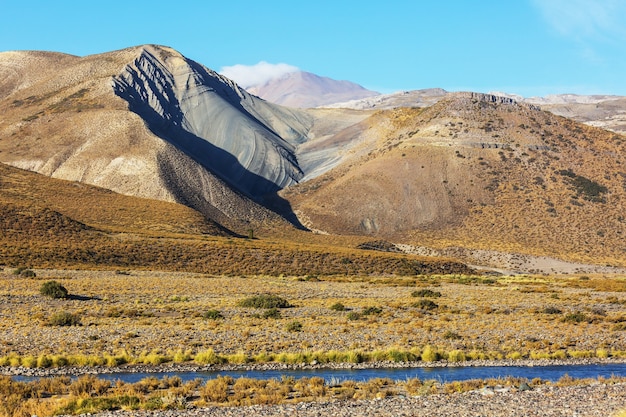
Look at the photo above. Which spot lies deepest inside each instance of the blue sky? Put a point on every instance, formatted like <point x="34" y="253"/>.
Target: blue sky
<point x="526" y="47"/>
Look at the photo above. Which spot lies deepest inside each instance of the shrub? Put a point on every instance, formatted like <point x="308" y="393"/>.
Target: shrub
<point x="53" y="289"/>
<point x="426" y="293"/>
<point x="425" y="304"/>
<point x="353" y="315"/>
<point x="430" y="354"/>
<point x="450" y="335"/>
<point x="294" y="326"/>
<point x="265" y="301"/>
<point x="338" y="307"/>
<point x="63" y="318"/>
<point x="602" y="353"/>
<point x="208" y="357"/>
<point x="89" y="385"/>
<point x="272" y="313"/>
<point x="216" y="390"/>
<point x="514" y="356"/>
<point x="456" y="356"/>
<point x="577" y="317"/>
<point x="551" y="310"/>
<point x="371" y="311"/>
<point x="24" y="272"/>
<point x="213" y="315"/>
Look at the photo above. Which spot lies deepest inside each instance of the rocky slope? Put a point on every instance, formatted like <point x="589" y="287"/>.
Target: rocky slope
<point x="607" y="112"/>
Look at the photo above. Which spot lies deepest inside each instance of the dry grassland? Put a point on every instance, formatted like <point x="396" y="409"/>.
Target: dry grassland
<point x="154" y="317"/>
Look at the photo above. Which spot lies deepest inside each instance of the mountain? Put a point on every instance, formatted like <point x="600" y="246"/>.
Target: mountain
<point x="607" y="112"/>
<point x="477" y="171"/>
<point x="148" y="122"/>
<point x="413" y="98"/>
<point x="423" y="168"/>
<point x="302" y="89"/>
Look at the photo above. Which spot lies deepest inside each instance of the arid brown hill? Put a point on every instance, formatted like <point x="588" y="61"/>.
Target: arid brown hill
<point x="478" y="171"/>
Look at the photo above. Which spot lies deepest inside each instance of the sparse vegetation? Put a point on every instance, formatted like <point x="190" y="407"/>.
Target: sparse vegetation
<point x="590" y="190"/>
<point x="338" y="307"/>
<point x="369" y="311"/>
<point x="577" y="317"/>
<point x="163" y="284"/>
<point x="89" y="395"/>
<point x="271" y="313"/>
<point x="425" y="304"/>
<point x="294" y="326"/>
<point x="265" y="301"/>
<point x="64" y="318"/>
<point x="426" y="293"/>
<point x="213" y="315"/>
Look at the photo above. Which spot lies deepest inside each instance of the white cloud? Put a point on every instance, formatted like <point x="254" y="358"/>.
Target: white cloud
<point x="249" y="75"/>
<point x="585" y="19"/>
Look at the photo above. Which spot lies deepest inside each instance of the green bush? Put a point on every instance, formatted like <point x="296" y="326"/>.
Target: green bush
<point x="353" y="315"/>
<point x="53" y="289"/>
<point x="338" y="307"/>
<point x="294" y="326"/>
<point x="577" y="317"/>
<point x="272" y="313"/>
<point x="371" y="311"/>
<point x="426" y="293"/>
<point x="24" y="272"/>
<point x="63" y="318"/>
<point x="265" y="301"/>
<point x="425" y="304"/>
<point x="213" y="315"/>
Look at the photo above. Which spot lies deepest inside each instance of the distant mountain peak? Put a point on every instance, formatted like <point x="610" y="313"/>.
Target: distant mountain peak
<point x="303" y="89"/>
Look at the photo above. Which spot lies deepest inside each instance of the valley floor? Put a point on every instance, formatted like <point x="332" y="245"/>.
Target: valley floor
<point x="474" y="317"/>
<point x="149" y="317"/>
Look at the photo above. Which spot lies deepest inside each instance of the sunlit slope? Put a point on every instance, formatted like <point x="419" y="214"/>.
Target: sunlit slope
<point x="479" y="171"/>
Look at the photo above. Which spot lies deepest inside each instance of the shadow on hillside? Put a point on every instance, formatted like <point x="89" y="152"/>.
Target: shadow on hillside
<point x="169" y="127"/>
<point x="282" y="207"/>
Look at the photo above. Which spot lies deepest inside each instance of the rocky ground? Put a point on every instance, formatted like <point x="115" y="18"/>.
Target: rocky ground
<point x="596" y="400"/>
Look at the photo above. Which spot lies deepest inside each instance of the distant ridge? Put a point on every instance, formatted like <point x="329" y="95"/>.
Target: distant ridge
<point x="302" y="89"/>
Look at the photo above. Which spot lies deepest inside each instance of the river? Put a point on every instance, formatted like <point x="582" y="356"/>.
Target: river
<point x="441" y="374"/>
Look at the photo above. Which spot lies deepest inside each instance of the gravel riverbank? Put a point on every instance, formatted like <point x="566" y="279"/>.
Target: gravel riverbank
<point x="596" y="400"/>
